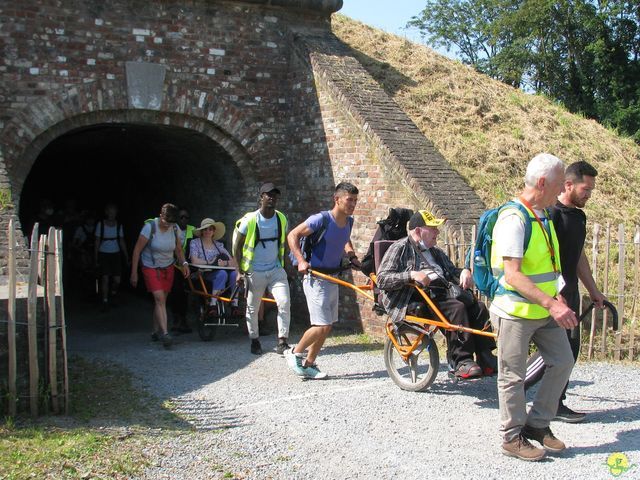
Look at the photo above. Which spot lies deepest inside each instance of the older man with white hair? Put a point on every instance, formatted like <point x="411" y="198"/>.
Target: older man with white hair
<point x="526" y="308"/>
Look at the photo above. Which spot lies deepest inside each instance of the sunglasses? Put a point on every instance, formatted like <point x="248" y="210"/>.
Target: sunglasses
<point x="184" y="217"/>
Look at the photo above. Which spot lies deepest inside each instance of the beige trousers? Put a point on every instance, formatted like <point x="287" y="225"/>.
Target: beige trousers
<point x="514" y="337"/>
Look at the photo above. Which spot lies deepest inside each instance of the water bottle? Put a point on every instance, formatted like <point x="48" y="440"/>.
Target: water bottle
<point x="478" y="259"/>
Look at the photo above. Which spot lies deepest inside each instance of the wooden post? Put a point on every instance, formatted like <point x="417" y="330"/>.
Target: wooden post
<point x="53" y="325"/>
<point x="32" y="305"/>
<point x="594" y="270"/>
<point x="63" y="326"/>
<point x="620" y="307"/>
<point x="11" y="324"/>
<point x="632" y="330"/>
<point x="605" y="316"/>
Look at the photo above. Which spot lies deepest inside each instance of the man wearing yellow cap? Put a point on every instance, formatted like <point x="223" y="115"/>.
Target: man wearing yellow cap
<point x="416" y="258"/>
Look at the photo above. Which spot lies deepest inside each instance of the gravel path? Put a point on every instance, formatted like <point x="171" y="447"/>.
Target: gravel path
<point x="254" y="419"/>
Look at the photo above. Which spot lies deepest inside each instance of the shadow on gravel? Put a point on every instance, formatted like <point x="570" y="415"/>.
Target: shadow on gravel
<point x="629" y="413"/>
<point x="625" y="442"/>
<point x="352" y="347"/>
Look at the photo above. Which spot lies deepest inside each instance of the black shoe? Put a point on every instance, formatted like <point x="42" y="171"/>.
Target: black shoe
<point x="155" y="337"/>
<point x="488" y="362"/>
<point x="282" y="347"/>
<point x="167" y="341"/>
<point x="565" y="414"/>
<point x="256" y="348"/>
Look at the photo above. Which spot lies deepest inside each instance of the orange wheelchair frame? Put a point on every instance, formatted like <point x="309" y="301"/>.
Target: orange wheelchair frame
<point x="211" y="317"/>
<point x="409" y="338"/>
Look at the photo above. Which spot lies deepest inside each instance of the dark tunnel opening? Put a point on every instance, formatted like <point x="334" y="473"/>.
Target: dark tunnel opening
<point x="138" y="167"/>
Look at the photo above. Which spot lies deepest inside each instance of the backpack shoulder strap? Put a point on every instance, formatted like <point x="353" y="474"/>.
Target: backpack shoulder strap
<point x="524" y="213"/>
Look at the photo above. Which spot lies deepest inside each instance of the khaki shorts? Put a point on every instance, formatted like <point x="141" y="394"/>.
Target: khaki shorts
<point x="322" y="300"/>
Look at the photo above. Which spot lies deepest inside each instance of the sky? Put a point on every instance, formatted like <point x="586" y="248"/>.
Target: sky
<point x="389" y="15"/>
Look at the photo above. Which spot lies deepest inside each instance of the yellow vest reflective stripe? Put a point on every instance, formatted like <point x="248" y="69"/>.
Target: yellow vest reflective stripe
<point x="536" y="265"/>
<point x="251" y="236"/>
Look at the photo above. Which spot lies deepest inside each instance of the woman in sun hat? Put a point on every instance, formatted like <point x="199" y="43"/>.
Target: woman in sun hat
<point x="208" y="250"/>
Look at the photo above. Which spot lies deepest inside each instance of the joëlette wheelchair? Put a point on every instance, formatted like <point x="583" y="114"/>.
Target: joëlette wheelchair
<point x="213" y="317"/>
<point x="411" y="355"/>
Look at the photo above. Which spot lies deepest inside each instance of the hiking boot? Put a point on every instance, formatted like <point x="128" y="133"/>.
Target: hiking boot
<point x="256" y="348"/>
<point x="521" y="448"/>
<point x="468" y="369"/>
<point x="565" y="414"/>
<point x="167" y="341"/>
<point x="313" y="372"/>
<point x="488" y="362"/>
<point x="155" y="337"/>
<point x="282" y="347"/>
<point x="544" y="437"/>
<point x="294" y="360"/>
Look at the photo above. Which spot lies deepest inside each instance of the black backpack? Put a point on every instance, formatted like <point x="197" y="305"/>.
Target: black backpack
<point x="394" y="227"/>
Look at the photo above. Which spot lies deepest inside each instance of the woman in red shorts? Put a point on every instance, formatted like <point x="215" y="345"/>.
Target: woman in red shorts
<point x="159" y="242"/>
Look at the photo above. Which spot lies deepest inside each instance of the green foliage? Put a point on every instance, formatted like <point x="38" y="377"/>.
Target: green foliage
<point x="582" y="53"/>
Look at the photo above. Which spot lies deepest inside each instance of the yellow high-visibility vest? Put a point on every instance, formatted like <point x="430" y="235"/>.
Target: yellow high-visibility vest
<point x="537" y="265"/>
<point x="252" y="237"/>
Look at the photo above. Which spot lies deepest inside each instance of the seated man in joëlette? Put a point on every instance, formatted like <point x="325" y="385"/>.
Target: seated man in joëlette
<point x="417" y="259"/>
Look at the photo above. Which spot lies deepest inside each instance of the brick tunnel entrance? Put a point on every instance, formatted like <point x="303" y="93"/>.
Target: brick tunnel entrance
<point x="138" y="167"/>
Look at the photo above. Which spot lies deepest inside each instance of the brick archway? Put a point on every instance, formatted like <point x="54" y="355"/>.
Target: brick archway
<point x="105" y="102"/>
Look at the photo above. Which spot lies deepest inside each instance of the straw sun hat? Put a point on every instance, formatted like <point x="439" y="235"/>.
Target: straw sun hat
<point x="209" y="222"/>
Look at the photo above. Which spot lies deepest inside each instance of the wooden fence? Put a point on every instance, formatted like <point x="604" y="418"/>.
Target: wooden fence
<point x="45" y="361"/>
<point x="614" y="256"/>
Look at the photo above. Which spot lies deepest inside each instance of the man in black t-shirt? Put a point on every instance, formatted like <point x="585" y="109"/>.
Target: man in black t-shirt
<point x="570" y="223"/>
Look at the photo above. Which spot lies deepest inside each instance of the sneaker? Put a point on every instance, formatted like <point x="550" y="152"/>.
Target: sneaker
<point x="521" y="448"/>
<point x="565" y="414"/>
<point x="256" y="348"/>
<point x="313" y="372"/>
<point x="155" y="337"/>
<point x="294" y="360"/>
<point x="468" y="369"/>
<point x="488" y="362"/>
<point x="282" y="347"/>
<point x="544" y="437"/>
<point x="167" y="341"/>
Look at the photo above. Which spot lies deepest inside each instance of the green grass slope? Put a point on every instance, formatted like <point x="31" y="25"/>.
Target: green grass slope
<point x="488" y="131"/>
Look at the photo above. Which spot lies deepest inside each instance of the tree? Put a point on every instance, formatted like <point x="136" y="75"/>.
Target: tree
<point x="582" y="53"/>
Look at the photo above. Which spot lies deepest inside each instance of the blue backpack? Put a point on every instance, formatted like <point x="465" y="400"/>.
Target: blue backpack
<point x="307" y="243"/>
<point x="483" y="277"/>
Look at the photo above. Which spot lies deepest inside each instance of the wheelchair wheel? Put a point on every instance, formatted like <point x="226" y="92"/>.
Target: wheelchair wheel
<point x="206" y="326"/>
<point x="421" y="369"/>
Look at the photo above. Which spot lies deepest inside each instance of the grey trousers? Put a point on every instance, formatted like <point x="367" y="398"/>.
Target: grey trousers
<point x="276" y="282"/>
<point x="513" y="348"/>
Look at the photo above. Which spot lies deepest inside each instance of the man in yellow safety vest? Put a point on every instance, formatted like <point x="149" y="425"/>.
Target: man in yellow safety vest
<point x="258" y="248"/>
<point x="526" y="307"/>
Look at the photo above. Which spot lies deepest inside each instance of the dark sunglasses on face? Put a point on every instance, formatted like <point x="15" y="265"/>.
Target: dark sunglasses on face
<point x="184" y="217"/>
